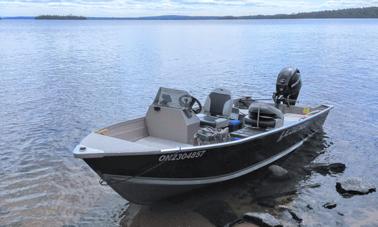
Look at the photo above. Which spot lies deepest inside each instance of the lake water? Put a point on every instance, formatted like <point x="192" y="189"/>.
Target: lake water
<point x="59" y="80"/>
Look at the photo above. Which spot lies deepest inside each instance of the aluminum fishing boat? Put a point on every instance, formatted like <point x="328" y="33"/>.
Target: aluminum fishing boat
<point x="180" y="145"/>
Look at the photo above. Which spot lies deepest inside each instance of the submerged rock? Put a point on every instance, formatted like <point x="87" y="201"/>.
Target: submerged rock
<point x="278" y="172"/>
<point x="354" y="186"/>
<point x="325" y="168"/>
<point x="271" y="203"/>
<point x="217" y="212"/>
<point x="315" y="185"/>
<point x="262" y="219"/>
<point x="240" y="223"/>
<point x="337" y="167"/>
<point x="295" y="216"/>
<point x="161" y="215"/>
<point x="291" y="213"/>
<point x="330" y="205"/>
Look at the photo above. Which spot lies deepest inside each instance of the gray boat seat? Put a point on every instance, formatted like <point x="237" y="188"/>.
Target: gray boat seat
<point x="216" y="122"/>
<point x="217" y="109"/>
<point x="218" y="103"/>
<point x="263" y="115"/>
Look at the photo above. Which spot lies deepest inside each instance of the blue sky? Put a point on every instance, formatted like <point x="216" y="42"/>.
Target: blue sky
<point x="119" y="8"/>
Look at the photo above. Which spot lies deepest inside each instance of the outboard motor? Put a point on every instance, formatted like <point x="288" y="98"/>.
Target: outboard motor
<point x="288" y="86"/>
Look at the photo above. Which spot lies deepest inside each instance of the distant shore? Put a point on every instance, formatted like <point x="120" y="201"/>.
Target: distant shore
<point x="367" y="12"/>
<point x="57" y="17"/>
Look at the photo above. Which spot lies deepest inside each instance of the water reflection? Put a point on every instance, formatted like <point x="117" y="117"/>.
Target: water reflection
<point x="222" y="203"/>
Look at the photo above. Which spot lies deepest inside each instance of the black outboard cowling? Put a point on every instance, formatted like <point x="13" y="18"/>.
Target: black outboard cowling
<point x="288" y="86"/>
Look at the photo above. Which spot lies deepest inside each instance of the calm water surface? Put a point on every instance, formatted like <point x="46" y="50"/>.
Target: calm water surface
<point x="59" y="80"/>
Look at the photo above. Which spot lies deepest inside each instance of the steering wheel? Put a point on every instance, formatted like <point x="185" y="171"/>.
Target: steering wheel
<point x="188" y="101"/>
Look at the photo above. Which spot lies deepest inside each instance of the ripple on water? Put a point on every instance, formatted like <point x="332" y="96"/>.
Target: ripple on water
<point x="60" y="80"/>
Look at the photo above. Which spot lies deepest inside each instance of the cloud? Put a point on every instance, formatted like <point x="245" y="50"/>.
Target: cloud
<point x="350" y="3"/>
<point x="158" y="7"/>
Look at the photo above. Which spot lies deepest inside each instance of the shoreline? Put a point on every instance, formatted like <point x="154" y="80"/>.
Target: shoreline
<point x="347" y="13"/>
<point x="237" y="19"/>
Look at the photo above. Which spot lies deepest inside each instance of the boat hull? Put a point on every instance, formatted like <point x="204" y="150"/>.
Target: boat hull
<point x="146" y="178"/>
<point x="145" y="190"/>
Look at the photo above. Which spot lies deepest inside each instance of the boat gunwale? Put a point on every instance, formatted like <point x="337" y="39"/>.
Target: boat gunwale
<point x="202" y="147"/>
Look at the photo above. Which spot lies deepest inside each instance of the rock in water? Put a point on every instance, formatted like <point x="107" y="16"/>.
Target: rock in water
<point x="271" y="203"/>
<point x="324" y="168"/>
<point x="315" y="185"/>
<point x="354" y="186"/>
<point x="291" y="213"/>
<point x="218" y="212"/>
<point x="294" y="216"/>
<point x="330" y="205"/>
<point x="337" y="167"/>
<point x="278" y="171"/>
<point x="262" y="219"/>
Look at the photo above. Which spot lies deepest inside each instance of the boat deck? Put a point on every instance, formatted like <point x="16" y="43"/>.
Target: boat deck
<point x="291" y="118"/>
<point x="161" y="143"/>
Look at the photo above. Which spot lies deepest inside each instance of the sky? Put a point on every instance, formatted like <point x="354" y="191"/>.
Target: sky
<point x="134" y="8"/>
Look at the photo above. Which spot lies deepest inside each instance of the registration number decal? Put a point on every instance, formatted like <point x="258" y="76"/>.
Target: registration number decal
<point x="181" y="156"/>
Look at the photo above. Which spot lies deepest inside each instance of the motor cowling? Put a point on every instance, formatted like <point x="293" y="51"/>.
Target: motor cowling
<point x="288" y="86"/>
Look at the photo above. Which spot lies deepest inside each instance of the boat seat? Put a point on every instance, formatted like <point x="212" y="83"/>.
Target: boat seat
<point x="215" y="122"/>
<point x="217" y="109"/>
<point x="263" y="115"/>
<point x="218" y="103"/>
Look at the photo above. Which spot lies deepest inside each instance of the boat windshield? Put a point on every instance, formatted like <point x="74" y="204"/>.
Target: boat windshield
<point x="172" y="98"/>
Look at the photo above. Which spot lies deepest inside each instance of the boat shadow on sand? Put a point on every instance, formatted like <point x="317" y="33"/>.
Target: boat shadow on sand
<point x="223" y="203"/>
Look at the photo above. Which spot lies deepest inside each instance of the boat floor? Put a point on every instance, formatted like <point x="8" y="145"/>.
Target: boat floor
<point x="290" y="118"/>
<point x="161" y="143"/>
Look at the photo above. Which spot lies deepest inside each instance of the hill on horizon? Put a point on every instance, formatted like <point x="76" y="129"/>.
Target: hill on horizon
<point x="366" y="12"/>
